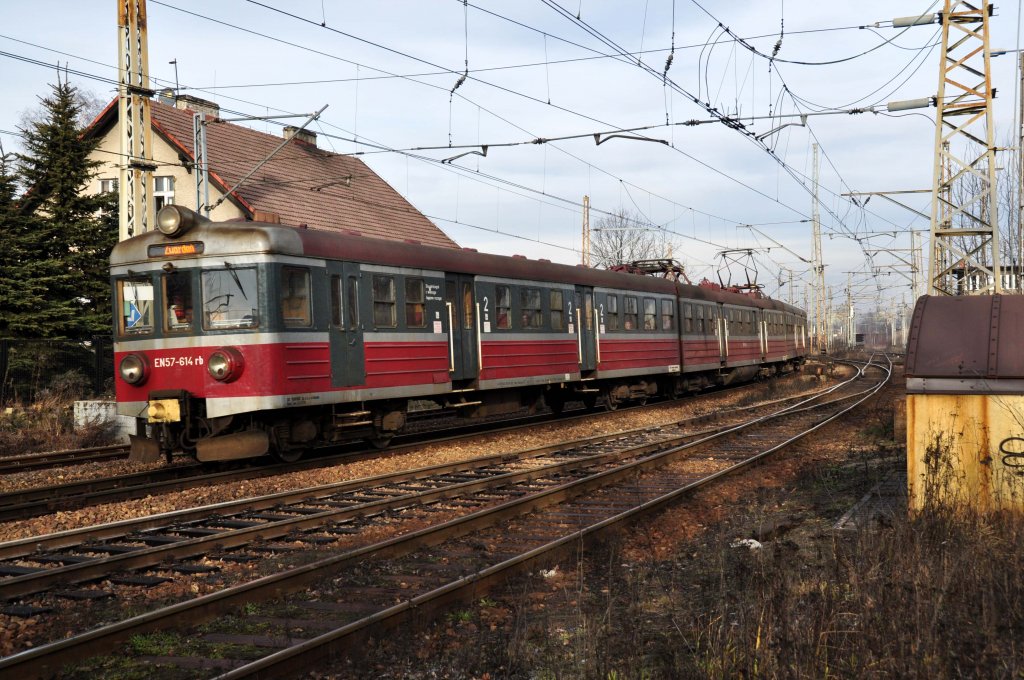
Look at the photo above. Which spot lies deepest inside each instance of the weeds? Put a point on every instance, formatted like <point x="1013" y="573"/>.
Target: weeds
<point x="48" y="424"/>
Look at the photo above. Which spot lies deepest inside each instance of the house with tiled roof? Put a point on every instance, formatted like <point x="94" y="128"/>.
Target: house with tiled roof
<point x="302" y="185"/>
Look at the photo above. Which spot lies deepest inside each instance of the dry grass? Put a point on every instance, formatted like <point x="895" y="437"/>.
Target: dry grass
<point x="48" y="424"/>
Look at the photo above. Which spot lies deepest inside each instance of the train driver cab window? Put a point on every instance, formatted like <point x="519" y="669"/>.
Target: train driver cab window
<point x="631" y="313"/>
<point x="668" y="311"/>
<point x="557" y="310"/>
<point x="230" y="298"/>
<point x="650" y="314"/>
<point x="529" y="298"/>
<point x="135" y="305"/>
<point x="414" y="304"/>
<point x="384" y="301"/>
<point x="296" y="306"/>
<point x="612" y="313"/>
<point x="504" y="306"/>
<point x="177" y="302"/>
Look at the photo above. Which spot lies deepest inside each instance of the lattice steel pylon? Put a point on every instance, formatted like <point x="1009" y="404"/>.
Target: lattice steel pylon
<point x="964" y="224"/>
<point x="136" y="166"/>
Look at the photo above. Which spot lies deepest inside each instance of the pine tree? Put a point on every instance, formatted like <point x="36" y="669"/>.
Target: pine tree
<point x="65" y="233"/>
<point x="26" y="308"/>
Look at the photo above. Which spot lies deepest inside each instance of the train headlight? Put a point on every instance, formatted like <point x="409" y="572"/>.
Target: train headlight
<point x="175" y="220"/>
<point x="134" y="369"/>
<point x="226" y="364"/>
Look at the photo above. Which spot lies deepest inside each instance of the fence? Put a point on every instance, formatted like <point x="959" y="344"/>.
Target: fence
<point x="31" y="368"/>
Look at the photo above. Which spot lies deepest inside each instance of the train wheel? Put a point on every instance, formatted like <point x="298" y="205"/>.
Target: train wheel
<point x="590" y="401"/>
<point x="290" y="455"/>
<point x="380" y="441"/>
<point x="555" y="401"/>
<point x="611" y="402"/>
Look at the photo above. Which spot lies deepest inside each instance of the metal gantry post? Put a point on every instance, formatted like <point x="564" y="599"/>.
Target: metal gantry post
<point x="964" y="229"/>
<point x="586" y="231"/>
<point x="818" y="265"/>
<point x="201" y="173"/>
<point x="136" y="166"/>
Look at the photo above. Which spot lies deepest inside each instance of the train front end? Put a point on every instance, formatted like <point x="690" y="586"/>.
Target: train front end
<point x="189" y="312"/>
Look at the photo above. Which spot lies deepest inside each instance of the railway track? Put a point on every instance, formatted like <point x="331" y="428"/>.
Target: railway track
<point x="476" y="522"/>
<point x="72" y="495"/>
<point x="55" y="459"/>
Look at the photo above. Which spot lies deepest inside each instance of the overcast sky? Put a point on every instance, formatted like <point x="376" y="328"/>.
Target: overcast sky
<point x="386" y="70"/>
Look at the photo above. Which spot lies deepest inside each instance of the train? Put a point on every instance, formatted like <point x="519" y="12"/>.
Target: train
<point x="241" y="339"/>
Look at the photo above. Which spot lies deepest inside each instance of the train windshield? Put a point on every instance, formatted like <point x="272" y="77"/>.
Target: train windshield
<point x="178" y="298"/>
<point x="135" y="305"/>
<point x="230" y="298"/>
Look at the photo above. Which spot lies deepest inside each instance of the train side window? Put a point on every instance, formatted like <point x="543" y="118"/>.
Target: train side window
<point x="467" y="305"/>
<point x="414" y="303"/>
<point x="384" y="301"/>
<point x="337" y="317"/>
<point x="688" y="317"/>
<point x="631" y="312"/>
<point x="668" y="312"/>
<point x="529" y="299"/>
<point x="135" y="302"/>
<point x="557" y="310"/>
<point x="700" y="318"/>
<point x="612" y="312"/>
<point x="650" y="314"/>
<point x="296" y="307"/>
<point x="503" y="306"/>
<point x="353" y="303"/>
<point x="178" y="302"/>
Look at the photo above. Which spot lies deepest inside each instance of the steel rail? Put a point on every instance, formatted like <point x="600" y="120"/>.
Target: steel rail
<point x="38" y="501"/>
<point x="128" y="531"/>
<point x="302" y="656"/>
<point x="48" y="658"/>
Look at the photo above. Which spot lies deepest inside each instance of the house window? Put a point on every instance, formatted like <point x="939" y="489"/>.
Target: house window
<point x="557" y="307"/>
<point x="383" y="301"/>
<point x="504" y="297"/>
<point x="163" y="191"/>
<point x="108" y="186"/>
<point x="414" y="317"/>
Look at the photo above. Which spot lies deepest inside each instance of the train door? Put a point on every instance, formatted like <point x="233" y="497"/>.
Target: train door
<point x="463" y="329"/>
<point x="584" y="316"/>
<point x="722" y="331"/>
<point x="761" y="318"/>
<point x="346" y="332"/>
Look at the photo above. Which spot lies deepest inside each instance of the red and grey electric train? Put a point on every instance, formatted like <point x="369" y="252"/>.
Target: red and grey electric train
<point x="239" y="339"/>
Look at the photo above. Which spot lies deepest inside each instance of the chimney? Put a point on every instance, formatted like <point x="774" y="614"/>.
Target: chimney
<point x="302" y="135"/>
<point x="188" y="102"/>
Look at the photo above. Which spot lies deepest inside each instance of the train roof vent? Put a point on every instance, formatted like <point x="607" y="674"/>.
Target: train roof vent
<point x="521" y="257"/>
<point x="544" y="260"/>
<point x="470" y="250"/>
